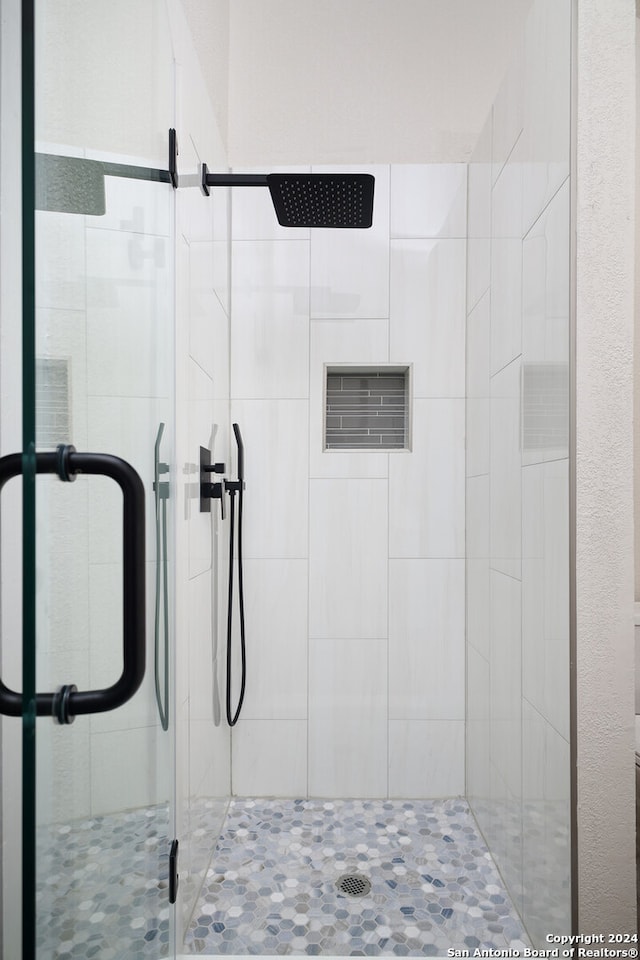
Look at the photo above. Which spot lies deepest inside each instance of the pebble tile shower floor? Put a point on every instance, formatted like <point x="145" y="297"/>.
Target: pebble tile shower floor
<point x="271" y="887"/>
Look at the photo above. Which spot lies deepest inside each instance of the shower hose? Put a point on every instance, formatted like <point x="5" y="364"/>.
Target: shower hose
<point x="233" y="488"/>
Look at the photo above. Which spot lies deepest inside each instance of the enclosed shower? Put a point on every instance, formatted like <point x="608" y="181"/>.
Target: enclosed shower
<point x="352" y="732"/>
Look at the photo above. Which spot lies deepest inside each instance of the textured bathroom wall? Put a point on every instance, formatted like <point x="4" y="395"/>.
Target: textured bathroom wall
<point x="604" y="464"/>
<point x="517" y="507"/>
<point x="354" y="559"/>
<point x="209" y="25"/>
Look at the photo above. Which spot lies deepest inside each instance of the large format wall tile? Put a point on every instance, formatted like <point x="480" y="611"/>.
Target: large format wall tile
<point x="363" y="506"/>
<point x="426" y="639"/>
<point x="478" y="349"/>
<point x="348" y="562"/>
<point x="506" y="471"/>
<point x="350" y="268"/>
<point x="545" y="333"/>
<point x="270" y="328"/>
<point x="478" y="744"/>
<point x="428" y="314"/>
<point x="275" y="436"/>
<point x="506" y="685"/>
<point x="209" y="323"/>
<point x="506" y="295"/>
<point x="428" y="200"/>
<point x="545" y="826"/>
<point x="128" y="299"/>
<point x="426" y="486"/>
<point x="269" y="758"/>
<point x="347" y="718"/>
<point x="478" y="610"/>
<point x="125" y="773"/>
<point x="436" y="748"/>
<point x="61" y="276"/>
<point x="276" y="637"/>
<point x="478" y="460"/>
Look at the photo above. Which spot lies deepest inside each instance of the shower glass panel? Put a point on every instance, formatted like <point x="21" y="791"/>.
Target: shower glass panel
<point x="102" y="376"/>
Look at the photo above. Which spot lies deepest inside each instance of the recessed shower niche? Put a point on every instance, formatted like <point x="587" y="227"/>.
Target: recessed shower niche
<point x="367" y="408"/>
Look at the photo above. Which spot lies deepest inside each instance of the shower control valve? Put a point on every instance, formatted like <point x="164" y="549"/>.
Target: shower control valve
<point x="210" y="491"/>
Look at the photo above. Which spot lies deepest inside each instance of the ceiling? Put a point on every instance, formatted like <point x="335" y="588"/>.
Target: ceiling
<point x="363" y="81"/>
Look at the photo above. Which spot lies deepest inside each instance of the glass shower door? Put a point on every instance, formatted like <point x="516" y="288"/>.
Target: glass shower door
<point x="98" y="378"/>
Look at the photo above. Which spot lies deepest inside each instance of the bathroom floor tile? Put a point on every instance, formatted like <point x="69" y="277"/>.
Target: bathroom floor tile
<point x="271" y="887"/>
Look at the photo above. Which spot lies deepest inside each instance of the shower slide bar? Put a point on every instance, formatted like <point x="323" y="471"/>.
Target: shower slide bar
<point x="68" y="702"/>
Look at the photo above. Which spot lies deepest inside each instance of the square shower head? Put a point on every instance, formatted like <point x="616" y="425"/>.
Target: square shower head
<point x="322" y="199"/>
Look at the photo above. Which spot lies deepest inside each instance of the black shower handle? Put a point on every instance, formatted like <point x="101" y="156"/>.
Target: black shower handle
<point x="238" y="435"/>
<point x="69" y="702"/>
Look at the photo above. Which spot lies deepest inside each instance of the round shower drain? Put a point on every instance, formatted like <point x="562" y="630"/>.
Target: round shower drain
<point x="353" y="885"/>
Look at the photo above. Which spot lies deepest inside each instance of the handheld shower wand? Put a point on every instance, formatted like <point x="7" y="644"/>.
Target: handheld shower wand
<point x="233" y="487"/>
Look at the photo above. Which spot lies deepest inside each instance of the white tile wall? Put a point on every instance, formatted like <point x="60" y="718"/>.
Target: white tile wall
<point x="428" y="313"/>
<point x="506" y="693"/>
<point x="505" y="475"/>
<point x="348" y="558"/>
<point x="348" y="718"/>
<point x="506" y="274"/>
<point x="346" y="513"/>
<point x="127" y="301"/>
<point x="436" y="752"/>
<point x="546" y="840"/>
<point x="270" y="758"/>
<point x="61" y="277"/>
<point x="428" y="201"/>
<point x="478" y="613"/>
<point x="478" y="348"/>
<point x="276" y="511"/>
<point x="478" y="740"/>
<point x="478" y="459"/>
<point x="426" y="639"/>
<point x="270" y="332"/>
<point x="276" y="628"/>
<point x="431" y="476"/>
<point x="350" y="268"/>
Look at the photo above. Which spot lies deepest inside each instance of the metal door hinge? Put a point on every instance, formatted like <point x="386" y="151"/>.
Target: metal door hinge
<point x="173" y="872"/>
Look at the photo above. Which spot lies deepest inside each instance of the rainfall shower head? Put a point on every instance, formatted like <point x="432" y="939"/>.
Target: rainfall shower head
<point x="336" y="200"/>
<point x="322" y="199"/>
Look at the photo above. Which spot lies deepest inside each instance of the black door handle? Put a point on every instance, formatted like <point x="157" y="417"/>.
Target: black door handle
<point x="69" y="702"/>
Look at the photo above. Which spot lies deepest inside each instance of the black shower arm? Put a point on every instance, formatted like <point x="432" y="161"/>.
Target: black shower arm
<point x="231" y="180"/>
